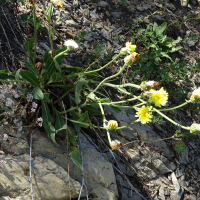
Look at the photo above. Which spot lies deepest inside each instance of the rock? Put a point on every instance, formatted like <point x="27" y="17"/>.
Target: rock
<point x="72" y="23"/>
<point x="52" y="161"/>
<point x="162" y="193"/>
<point x="198" y="161"/>
<point x="183" y="157"/>
<point x="160" y="166"/>
<point x="134" y="155"/>
<point x="103" y="4"/>
<point x="175" y="182"/>
<point x="146" y="6"/>
<point x="171" y="6"/>
<point x="175" y="195"/>
<point x="167" y="191"/>
<point x="171" y="166"/>
<point x="140" y="8"/>
<point x="50" y="181"/>
<point x="116" y="14"/>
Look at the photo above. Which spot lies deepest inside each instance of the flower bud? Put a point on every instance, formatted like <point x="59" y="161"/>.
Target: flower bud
<point x="146" y="86"/>
<point x="112" y="125"/>
<point x="195" y="96"/>
<point x="71" y="44"/>
<point x="129" y="60"/>
<point x="195" y="129"/>
<point x="128" y="49"/>
<point x="115" y="144"/>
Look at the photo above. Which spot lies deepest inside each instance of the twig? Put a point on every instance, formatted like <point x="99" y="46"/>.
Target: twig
<point x="83" y="181"/>
<point x="30" y="166"/>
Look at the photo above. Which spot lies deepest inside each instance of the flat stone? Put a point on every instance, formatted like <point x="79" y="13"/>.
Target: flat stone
<point x="160" y="166"/>
<point x="72" y="23"/>
<point x="116" y="14"/>
<point x="140" y="8"/>
<point x="134" y="155"/>
<point x="103" y="4"/>
<point x="175" y="195"/>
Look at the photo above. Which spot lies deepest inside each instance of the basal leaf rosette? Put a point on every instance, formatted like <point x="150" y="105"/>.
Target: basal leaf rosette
<point x="129" y="49"/>
<point x="158" y="97"/>
<point x="144" y="113"/>
<point x="195" y="96"/>
<point x="112" y="125"/>
<point x="195" y="129"/>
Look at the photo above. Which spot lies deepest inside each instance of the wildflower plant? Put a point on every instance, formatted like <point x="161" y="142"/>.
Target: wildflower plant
<point x="57" y="94"/>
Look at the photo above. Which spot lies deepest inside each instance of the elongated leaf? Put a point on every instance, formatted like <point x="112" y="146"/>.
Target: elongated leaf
<point x="85" y="119"/>
<point x="78" y="90"/>
<point x="72" y="138"/>
<point x="38" y="94"/>
<point x="52" y="133"/>
<point x="76" y="157"/>
<point x="117" y="110"/>
<point x="31" y="78"/>
<point x="29" y="45"/>
<point x="46" y="116"/>
<point x="30" y="67"/>
<point x="92" y="110"/>
<point x="17" y="74"/>
<point x="60" y="58"/>
<point x="46" y="97"/>
<point x="60" y="123"/>
<point x="25" y="90"/>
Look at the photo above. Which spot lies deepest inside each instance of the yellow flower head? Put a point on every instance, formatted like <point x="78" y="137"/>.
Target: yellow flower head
<point x="144" y="113"/>
<point x="195" y="129"/>
<point x="128" y="49"/>
<point x="115" y="144"/>
<point x="112" y="125"/>
<point x="195" y="96"/>
<point x="158" y="97"/>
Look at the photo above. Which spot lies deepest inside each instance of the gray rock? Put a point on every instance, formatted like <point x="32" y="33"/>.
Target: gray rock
<point x="167" y="191"/>
<point x="50" y="165"/>
<point x="146" y="6"/>
<point x="160" y="166"/>
<point x="175" y="195"/>
<point x="171" y="166"/>
<point x="116" y="14"/>
<point x="175" y="182"/>
<point x="171" y="6"/>
<point x="72" y="23"/>
<point x="140" y="8"/>
<point x="103" y="4"/>
<point x="183" y="157"/>
<point x="134" y="155"/>
<point x="162" y="193"/>
<point x="198" y="161"/>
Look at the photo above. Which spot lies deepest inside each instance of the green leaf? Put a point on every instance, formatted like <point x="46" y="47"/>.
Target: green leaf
<point x="85" y="119"/>
<point x="38" y="94"/>
<point x="161" y="28"/>
<point x="72" y="138"/>
<point x="46" y="116"/>
<point x="52" y="132"/>
<point x="30" y="67"/>
<point x="31" y="78"/>
<point x="92" y="110"/>
<point x="94" y="75"/>
<point x="117" y="110"/>
<point x="17" y="74"/>
<point x="25" y="90"/>
<point x="165" y="55"/>
<point x="60" y="58"/>
<point x="60" y="123"/>
<point x="46" y="97"/>
<point x="76" y="157"/>
<point x="78" y="89"/>
<point x="29" y="45"/>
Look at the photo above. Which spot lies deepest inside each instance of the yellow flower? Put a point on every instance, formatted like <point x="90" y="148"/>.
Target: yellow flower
<point x="128" y="49"/>
<point x="195" y="129"/>
<point x="158" y="97"/>
<point x="112" y="125"/>
<point x="144" y="113"/>
<point x="195" y="96"/>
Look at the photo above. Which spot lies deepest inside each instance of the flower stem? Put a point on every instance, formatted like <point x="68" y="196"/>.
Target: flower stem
<point x="104" y="123"/>
<point x="184" y="127"/>
<point x="176" y="106"/>
<point x="103" y="66"/>
<point x="49" y="29"/>
<point x="110" y="77"/>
